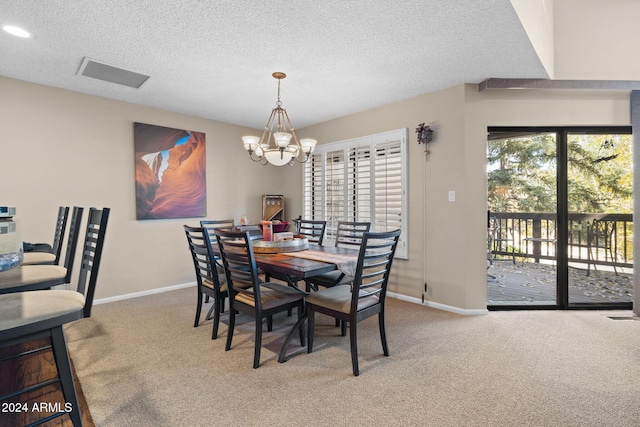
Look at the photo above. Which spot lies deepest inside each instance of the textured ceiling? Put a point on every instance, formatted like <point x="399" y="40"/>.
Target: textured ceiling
<point x="214" y="58"/>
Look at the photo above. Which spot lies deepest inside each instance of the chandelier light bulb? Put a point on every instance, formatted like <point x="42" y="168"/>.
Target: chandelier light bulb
<point x="282" y="138"/>
<point x="308" y="145"/>
<point x="250" y="142"/>
<point x="278" y="158"/>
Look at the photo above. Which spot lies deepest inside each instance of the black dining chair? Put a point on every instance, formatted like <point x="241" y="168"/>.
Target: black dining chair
<point x="210" y="279"/>
<point x="27" y="316"/>
<point x="42" y="276"/>
<point x="35" y="254"/>
<point x="211" y="224"/>
<point x="209" y="227"/>
<point x="349" y="234"/>
<point x="250" y="295"/>
<point x="363" y="297"/>
<point x="313" y="230"/>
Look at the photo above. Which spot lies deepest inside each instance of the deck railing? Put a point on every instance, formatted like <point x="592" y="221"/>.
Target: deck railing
<point x="593" y="239"/>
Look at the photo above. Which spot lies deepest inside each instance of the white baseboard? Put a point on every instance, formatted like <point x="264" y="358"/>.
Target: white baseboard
<point x="444" y="307"/>
<point x="436" y="305"/>
<point x="143" y="293"/>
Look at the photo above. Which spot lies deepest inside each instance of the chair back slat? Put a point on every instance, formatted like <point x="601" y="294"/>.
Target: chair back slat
<point x="58" y="236"/>
<point x="209" y="227"/>
<point x="72" y="241"/>
<point x="239" y="263"/>
<point x="92" y="254"/>
<point x="312" y="230"/>
<point x="350" y="234"/>
<point x="211" y="224"/>
<point x="201" y="256"/>
<point x="374" y="266"/>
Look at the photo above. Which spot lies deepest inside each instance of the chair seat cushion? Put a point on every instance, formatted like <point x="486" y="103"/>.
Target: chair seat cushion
<point x="338" y="298"/>
<point x="272" y="295"/>
<point x="222" y="279"/>
<point x="330" y="278"/>
<point x="31" y="258"/>
<point x="29" y="274"/>
<point x="24" y="308"/>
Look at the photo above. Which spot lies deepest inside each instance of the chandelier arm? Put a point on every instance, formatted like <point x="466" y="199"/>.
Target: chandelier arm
<point x="257" y="159"/>
<point x="268" y="128"/>
<point x="291" y="129"/>
<point x="306" y="158"/>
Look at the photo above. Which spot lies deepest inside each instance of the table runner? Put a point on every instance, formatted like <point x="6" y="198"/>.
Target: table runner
<point x="345" y="263"/>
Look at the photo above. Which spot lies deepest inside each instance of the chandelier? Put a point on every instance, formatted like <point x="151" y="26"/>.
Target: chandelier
<point x="279" y="144"/>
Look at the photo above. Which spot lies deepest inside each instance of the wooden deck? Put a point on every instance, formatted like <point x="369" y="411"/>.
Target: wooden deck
<point x="528" y="283"/>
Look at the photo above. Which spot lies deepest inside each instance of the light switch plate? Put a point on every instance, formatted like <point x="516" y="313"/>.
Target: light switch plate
<point x="452" y="196"/>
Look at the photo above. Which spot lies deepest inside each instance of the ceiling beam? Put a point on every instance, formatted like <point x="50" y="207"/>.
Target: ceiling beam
<point x="558" y="84"/>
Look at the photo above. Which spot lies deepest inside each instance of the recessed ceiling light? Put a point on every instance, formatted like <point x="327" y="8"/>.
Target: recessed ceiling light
<point x="17" y="31"/>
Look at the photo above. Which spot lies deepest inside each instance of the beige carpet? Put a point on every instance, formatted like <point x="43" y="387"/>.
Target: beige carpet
<point x="141" y="363"/>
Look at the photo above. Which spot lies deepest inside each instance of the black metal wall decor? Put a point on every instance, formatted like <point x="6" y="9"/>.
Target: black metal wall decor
<point x="425" y="136"/>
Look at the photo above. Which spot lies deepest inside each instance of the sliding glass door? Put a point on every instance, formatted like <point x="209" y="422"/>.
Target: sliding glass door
<point x="559" y="222"/>
<point x="522" y="218"/>
<point x="600" y="206"/>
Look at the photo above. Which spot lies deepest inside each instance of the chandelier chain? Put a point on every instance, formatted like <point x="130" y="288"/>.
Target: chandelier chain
<point x="279" y="103"/>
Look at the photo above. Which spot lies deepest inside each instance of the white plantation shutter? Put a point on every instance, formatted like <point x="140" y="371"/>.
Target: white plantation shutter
<point x="335" y="191"/>
<point x="387" y="187"/>
<point x="359" y="184"/>
<point x="312" y="191"/>
<point x="362" y="179"/>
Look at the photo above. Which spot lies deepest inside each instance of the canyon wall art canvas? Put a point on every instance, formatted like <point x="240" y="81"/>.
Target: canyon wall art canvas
<point x="170" y="172"/>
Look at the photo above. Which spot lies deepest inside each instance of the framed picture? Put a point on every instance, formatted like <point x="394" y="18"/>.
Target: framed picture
<point x="170" y="172"/>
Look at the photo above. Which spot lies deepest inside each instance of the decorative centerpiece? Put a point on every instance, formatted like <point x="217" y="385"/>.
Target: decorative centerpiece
<point x="278" y="226"/>
<point x="297" y="243"/>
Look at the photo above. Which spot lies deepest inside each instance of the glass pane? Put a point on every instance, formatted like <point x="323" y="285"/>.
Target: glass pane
<point x="600" y="249"/>
<point x="521" y="222"/>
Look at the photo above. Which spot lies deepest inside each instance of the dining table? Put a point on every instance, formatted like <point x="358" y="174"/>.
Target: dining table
<point x="300" y="265"/>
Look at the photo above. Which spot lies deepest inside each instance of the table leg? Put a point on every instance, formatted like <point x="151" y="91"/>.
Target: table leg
<point x="283" y="352"/>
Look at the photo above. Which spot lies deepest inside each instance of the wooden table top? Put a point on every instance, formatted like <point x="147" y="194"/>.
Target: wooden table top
<point x="300" y="267"/>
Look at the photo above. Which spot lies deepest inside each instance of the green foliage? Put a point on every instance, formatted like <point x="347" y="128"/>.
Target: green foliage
<point x="522" y="173"/>
<point x="600" y="173"/>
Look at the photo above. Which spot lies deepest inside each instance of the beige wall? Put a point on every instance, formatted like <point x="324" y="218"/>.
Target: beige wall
<point x="55" y="141"/>
<point x="61" y="147"/>
<point x="595" y="40"/>
<point x="524" y="108"/>
<point x="437" y="227"/>
<point x="537" y="19"/>
<point x="447" y="240"/>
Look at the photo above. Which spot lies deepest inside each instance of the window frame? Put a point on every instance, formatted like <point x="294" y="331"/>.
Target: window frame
<point x="353" y="170"/>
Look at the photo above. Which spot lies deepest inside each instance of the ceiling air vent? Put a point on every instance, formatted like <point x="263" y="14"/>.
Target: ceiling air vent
<point x="108" y="73"/>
